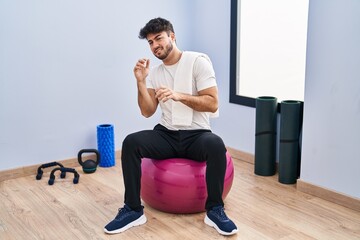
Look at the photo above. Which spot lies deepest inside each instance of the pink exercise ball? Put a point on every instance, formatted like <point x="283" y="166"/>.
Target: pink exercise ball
<point x="177" y="185"/>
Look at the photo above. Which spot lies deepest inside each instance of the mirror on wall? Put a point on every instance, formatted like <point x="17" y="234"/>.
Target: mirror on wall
<point x="268" y="50"/>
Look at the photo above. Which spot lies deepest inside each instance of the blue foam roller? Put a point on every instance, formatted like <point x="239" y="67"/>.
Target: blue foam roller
<point x="106" y="146"/>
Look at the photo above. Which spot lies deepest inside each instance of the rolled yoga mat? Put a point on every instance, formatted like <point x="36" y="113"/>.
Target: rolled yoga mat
<point x="289" y="150"/>
<point x="106" y="147"/>
<point x="265" y="136"/>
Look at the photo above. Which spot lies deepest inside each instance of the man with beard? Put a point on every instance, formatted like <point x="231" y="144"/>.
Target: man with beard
<point x="184" y="86"/>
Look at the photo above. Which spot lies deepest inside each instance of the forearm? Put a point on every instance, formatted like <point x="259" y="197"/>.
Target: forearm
<point x="203" y="103"/>
<point x="146" y="102"/>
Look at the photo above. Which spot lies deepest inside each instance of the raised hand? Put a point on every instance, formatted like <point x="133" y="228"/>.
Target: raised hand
<point x="141" y="69"/>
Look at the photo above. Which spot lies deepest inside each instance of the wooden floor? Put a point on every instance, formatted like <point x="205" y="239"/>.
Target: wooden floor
<point x="261" y="207"/>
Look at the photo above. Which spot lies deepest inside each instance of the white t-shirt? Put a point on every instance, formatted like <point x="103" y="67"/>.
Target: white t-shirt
<point x="203" y="78"/>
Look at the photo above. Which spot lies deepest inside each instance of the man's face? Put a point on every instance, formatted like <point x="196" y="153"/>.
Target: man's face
<point x="160" y="44"/>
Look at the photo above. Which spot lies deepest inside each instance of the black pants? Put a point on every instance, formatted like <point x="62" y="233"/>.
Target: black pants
<point x="161" y="143"/>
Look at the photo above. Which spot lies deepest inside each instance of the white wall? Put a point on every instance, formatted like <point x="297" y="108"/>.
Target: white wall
<point x="65" y="67"/>
<point x="331" y="128"/>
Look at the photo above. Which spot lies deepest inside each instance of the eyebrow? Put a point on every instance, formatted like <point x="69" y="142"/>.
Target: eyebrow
<point x="156" y="36"/>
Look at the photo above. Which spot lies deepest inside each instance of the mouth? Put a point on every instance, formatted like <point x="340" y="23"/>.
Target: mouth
<point x="157" y="50"/>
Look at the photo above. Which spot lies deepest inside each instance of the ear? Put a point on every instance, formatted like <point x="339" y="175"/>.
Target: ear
<point x="172" y="36"/>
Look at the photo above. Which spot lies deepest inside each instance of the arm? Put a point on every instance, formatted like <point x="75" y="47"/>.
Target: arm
<point x="206" y="101"/>
<point x="146" y="97"/>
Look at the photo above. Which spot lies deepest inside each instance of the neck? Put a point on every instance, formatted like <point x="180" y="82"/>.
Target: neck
<point x="173" y="57"/>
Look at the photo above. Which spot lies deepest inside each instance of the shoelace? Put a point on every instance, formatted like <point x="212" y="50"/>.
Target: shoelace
<point x="221" y="214"/>
<point x="122" y="212"/>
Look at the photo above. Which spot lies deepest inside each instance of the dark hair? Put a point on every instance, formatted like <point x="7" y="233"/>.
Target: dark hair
<point x="156" y="25"/>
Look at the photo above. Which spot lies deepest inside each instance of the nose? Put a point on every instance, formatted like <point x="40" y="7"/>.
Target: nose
<point x="155" y="45"/>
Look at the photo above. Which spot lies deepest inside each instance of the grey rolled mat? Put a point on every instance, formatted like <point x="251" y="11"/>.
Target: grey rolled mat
<point x="265" y="136"/>
<point x="289" y="150"/>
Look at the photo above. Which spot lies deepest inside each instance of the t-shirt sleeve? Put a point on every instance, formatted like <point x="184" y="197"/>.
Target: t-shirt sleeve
<point x="149" y="82"/>
<point x="203" y="73"/>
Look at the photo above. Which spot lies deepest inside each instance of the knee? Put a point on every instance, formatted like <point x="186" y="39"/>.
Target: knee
<point x="130" y="142"/>
<point x="216" y="144"/>
<point x="213" y="147"/>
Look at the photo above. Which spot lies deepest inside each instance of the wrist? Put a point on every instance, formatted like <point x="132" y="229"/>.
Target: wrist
<point x="183" y="97"/>
<point x="141" y="82"/>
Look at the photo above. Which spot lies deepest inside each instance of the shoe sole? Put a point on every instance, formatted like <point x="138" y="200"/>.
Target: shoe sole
<point x="141" y="220"/>
<point x="210" y="223"/>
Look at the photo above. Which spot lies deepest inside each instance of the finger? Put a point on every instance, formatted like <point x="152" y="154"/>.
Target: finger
<point x="167" y="97"/>
<point x="158" y="93"/>
<point x="161" y="90"/>
<point x="141" y="62"/>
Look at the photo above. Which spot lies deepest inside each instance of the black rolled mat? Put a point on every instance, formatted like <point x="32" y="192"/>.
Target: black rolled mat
<point x="265" y="136"/>
<point x="289" y="149"/>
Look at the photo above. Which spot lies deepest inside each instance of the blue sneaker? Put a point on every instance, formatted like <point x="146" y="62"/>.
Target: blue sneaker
<point x="217" y="218"/>
<point x="125" y="219"/>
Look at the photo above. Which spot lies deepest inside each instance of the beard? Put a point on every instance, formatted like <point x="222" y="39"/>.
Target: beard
<point x="167" y="49"/>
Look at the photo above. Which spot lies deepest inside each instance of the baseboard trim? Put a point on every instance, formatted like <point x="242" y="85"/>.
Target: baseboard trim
<point x="32" y="170"/>
<point x="243" y="156"/>
<point x="73" y="162"/>
<point x="302" y="186"/>
<point x="329" y="195"/>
